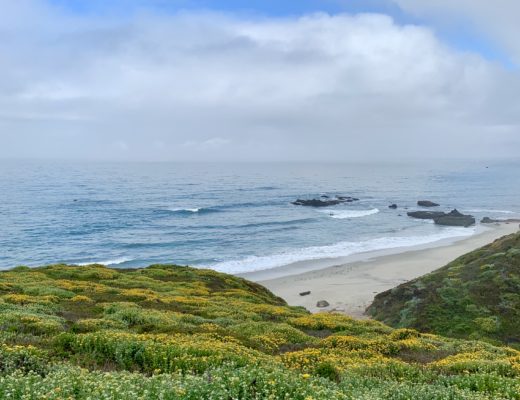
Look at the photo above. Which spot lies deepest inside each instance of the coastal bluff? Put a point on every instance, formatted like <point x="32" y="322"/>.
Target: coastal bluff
<point x="173" y="332"/>
<point x="475" y="296"/>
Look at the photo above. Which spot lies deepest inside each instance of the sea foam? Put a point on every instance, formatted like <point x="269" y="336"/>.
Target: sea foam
<point x="341" y="249"/>
<point x="182" y="210"/>
<point x="115" y="261"/>
<point x="491" y="211"/>
<point x="345" y="214"/>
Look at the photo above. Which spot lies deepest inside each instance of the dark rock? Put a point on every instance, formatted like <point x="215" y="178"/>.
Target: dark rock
<point x="347" y="198"/>
<point x="324" y="196"/>
<point x="325" y="201"/>
<point x="425" y="214"/>
<point x="455" y="218"/>
<point x="322" y="304"/>
<point x="487" y="220"/>
<point x="392" y="206"/>
<point x="317" y="202"/>
<point x="305" y="293"/>
<point x="427" y="203"/>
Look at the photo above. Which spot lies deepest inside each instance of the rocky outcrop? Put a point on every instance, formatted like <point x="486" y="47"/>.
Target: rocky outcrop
<point x="322" y="304"/>
<point x="427" y="203"/>
<point x="324" y="202"/>
<point x="316" y="202"/>
<point x="425" y="214"/>
<point x="455" y="218"/>
<point x="347" y="199"/>
<point x="487" y="220"/>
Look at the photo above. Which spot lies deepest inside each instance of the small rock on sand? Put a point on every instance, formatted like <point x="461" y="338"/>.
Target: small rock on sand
<point x="305" y="293"/>
<point x="322" y="304"/>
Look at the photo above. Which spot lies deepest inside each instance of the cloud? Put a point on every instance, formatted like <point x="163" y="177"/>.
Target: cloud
<point x="498" y="20"/>
<point x="184" y="85"/>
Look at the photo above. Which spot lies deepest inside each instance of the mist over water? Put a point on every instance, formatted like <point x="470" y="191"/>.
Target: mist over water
<point x="232" y="217"/>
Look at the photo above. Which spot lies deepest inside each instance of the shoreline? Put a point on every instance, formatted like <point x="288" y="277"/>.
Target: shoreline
<point x="350" y="284"/>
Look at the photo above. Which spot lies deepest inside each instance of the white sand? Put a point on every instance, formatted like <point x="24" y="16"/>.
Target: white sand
<point x="351" y="286"/>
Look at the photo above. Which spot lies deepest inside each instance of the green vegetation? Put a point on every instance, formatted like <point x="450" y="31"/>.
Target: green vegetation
<point x="476" y="296"/>
<point x="169" y="332"/>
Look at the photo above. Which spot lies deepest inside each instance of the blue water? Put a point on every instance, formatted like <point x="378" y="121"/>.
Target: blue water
<point x="231" y="217"/>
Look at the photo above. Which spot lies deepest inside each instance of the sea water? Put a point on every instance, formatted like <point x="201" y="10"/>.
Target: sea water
<point x="234" y="218"/>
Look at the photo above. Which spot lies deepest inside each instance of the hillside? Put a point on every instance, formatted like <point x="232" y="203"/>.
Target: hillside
<point x="169" y="332"/>
<point x="476" y="296"/>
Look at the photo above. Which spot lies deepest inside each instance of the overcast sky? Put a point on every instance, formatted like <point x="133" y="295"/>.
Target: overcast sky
<point x="330" y="80"/>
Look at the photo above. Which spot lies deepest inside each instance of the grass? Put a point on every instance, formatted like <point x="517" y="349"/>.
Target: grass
<point x="172" y="332"/>
<point x="476" y="296"/>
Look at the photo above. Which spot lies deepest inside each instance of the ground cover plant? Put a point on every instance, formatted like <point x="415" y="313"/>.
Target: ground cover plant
<point x="476" y="296"/>
<point x="172" y="332"/>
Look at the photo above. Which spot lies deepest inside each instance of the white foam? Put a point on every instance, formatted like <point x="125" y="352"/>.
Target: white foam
<point x="344" y="214"/>
<point x="491" y="211"/>
<point x="341" y="249"/>
<point x="115" y="261"/>
<point x="192" y="210"/>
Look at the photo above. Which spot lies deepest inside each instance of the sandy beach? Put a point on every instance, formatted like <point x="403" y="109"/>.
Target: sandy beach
<point x="351" y="285"/>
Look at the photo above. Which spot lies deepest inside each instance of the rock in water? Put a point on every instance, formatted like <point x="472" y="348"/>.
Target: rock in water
<point x="427" y="203"/>
<point x="455" y="218"/>
<point x="322" y="304"/>
<point x="305" y="293"/>
<point x="324" y="203"/>
<point x="392" y="206"/>
<point x="425" y="214"/>
<point x="487" y="220"/>
<point x="316" y="203"/>
<point x="347" y="198"/>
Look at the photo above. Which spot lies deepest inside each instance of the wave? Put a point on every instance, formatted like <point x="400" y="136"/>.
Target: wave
<point x="188" y="211"/>
<point x="217" y="208"/>
<point x="249" y="204"/>
<point x="344" y="214"/>
<point x="341" y="249"/>
<point x="115" y="261"/>
<point x="491" y="211"/>
<point x="276" y="223"/>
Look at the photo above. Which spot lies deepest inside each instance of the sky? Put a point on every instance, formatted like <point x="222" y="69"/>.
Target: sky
<point x="261" y="80"/>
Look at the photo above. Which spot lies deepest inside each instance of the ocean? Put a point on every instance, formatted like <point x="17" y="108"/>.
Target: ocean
<point x="233" y="218"/>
